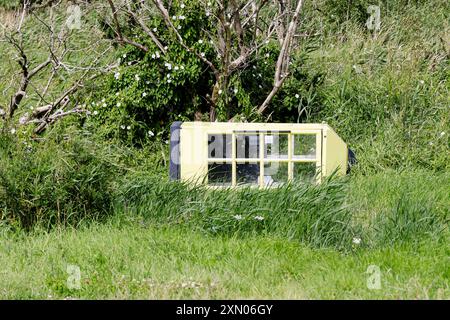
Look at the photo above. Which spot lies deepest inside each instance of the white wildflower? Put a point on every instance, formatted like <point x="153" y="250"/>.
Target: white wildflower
<point x="297" y="95"/>
<point x="118" y="104"/>
<point x="259" y="218"/>
<point x="13" y="131"/>
<point x="128" y="127"/>
<point x="136" y="77"/>
<point x="181" y="17"/>
<point x="122" y="127"/>
<point x="153" y="56"/>
<point x="356" y="240"/>
<point x="179" y="27"/>
<point x="155" y="29"/>
<point x="176" y="68"/>
<point x="182" y="6"/>
<point x="174" y="17"/>
<point x="129" y="63"/>
<point x="150" y="133"/>
<point x="200" y="41"/>
<point x="442" y="133"/>
<point x="166" y="47"/>
<point x="169" y="80"/>
<point x="124" y="55"/>
<point x="23" y="119"/>
<point x="238" y="217"/>
<point x="235" y="90"/>
<point x="117" y="75"/>
<point x="421" y="81"/>
<point x="95" y="112"/>
<point x="220" y="92"/>
<point x="144" y="94"/>
<point x="202" y="54"/>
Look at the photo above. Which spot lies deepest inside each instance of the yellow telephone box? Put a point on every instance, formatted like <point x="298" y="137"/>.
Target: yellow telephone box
<point x="226" y="154"/>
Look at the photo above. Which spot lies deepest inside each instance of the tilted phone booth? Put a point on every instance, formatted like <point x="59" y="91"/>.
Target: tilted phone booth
<point x="227" y="154"/>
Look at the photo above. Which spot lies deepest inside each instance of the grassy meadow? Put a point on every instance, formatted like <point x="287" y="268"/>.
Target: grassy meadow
<point x="80" y="199"/>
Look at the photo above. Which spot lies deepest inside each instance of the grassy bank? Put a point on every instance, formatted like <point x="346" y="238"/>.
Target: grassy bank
<point x="137" y="261"/>
<point x="134" y="255"/>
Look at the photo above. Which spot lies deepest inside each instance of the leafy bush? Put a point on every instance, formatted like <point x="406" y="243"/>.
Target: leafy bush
<point x="63" y="179"/>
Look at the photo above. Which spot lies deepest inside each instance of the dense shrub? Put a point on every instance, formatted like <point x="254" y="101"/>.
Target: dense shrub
<point x="61" y="180"/>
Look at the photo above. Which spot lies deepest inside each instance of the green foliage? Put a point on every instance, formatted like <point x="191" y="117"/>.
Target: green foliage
<point x="61" y="180"/>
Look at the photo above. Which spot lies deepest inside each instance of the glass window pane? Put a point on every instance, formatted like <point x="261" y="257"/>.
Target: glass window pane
<point x="305" y="146"/>
<point x="247" y="173"/>
<point x="247" y="146"/>
<point x="219" y="174"/>
<point x="275" y="173"/>
<point x="304" y="171"/>
<point x="219" y="146"/>
<point x="276" y="146"/>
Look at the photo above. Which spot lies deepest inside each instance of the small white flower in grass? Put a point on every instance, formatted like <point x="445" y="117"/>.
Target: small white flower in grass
<point x="181" y="17"/>
<point x="117" y="75"/>
<point x="238" y="217"/>
<point x="220" y="92"/>
<point x="297" y="95"/>
<point x="174" y="17"/>
<point x="23" y="119"/>
<point x="144" y="94"/>
<point x="153" y="56"/>
<point x="147" y="82"/>
<point x="129" y="63"/>
<point x="157" y="54"/>
<point x="202" y="54"/>
<point x="356" y="240"/>
<point x="176" y="68"/>
<point x="117" y="93"/>
<point x="182" y="6"/>
<point x="182" y="67"/>
<point x="155" y="29"/>
<point x="104" y="105"/>
<point x="259" y="218"/>
<point x="103" y="100"/>
<point x="150" y="133"/>
<point x="260" y="86"/>
<point x="235" y="90"/>
<point x="124" y="55"/>
<point x="421" y="81"/>
<point x="430" y="143"/>
<point x="179" y="27"/>
<point x="200" y="41"/>
<point x="169" y="80"/>
<point x="136" y="77"/>
<point x="95" y="112"/>
<point x="207" y="13"/>
<point x="442" y="133"/>
<point x="13" y="131"/>
<point x="166" y="47"/>
<point x="122" y="127"/>
<point x="128" y="127"/>
<point x="119" y="104"/>
<point x="168" y="75"/>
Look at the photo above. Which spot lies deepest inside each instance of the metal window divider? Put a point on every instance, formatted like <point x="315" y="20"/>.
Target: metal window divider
<point x="261" y="159"/>
<point x="233" y="160"/>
